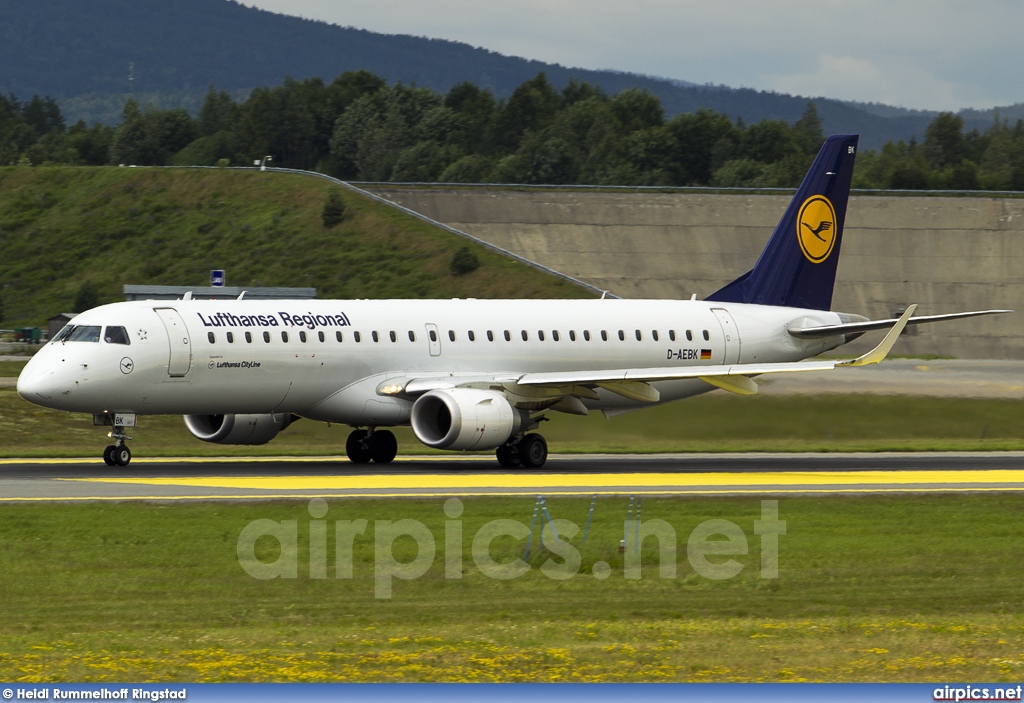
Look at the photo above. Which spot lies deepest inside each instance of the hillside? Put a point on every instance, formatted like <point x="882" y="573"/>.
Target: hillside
<point x="62" y="227"/>
<point x="80" y="53"/>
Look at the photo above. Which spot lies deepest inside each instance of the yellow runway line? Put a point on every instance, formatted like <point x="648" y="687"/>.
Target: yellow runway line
<point x="496" y="494"/>
<point x="585" y="482"/>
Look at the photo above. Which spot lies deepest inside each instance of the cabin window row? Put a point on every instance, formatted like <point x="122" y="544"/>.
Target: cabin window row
<point x="555" y="336"/>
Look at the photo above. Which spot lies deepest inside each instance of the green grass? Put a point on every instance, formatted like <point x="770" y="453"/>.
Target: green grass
<point x="913" y="588"/>
<point x="61" y="227"/>
<point x="713" y="423"/>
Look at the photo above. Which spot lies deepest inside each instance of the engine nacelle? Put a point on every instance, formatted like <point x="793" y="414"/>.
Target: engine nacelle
<point x="464" y="418"/>
<point x="237" y="429"/>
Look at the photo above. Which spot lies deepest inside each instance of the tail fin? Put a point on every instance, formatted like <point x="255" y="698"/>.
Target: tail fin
<point x="798" y="267"/>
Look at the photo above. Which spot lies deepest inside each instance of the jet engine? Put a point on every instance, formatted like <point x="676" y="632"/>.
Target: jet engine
<point x="237" y="429"/>
<point x="464" y="418"/>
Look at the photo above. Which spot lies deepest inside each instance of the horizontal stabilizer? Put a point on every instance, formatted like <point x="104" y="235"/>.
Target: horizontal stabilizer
<point x="861" y="327"/>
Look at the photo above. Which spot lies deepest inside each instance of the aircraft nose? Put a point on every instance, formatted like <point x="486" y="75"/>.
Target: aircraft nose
<point x="35" y="384"/>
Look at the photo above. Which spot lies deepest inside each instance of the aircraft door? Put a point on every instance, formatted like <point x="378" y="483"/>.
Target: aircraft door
<point x="180" y="359"/>
<point x="434" y="339"/>
<point x="731" y="334"/>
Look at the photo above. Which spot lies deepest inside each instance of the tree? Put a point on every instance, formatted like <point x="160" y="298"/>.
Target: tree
<point x="807" y="130"/>
<point x="218" y="113"/>
<point x="334" y="209"/>
<point x="944" y="141"/>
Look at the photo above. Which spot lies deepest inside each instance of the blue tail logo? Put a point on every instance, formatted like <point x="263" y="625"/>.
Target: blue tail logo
<point x="798" y="266"/>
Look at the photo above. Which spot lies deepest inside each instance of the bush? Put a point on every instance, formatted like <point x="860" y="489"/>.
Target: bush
<point x="87" y="297"/>
<point x="464" y="261"/>
<point x="334" y="209"/>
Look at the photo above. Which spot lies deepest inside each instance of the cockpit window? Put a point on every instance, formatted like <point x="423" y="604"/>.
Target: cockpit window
<point x="64" y="333"/>
<point x="85" y="333"/>
<point x="116" y="335"/>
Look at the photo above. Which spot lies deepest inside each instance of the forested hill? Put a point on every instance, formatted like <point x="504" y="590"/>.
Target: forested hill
<point x="81" y="52"/>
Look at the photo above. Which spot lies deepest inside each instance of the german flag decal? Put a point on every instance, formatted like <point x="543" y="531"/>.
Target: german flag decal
<point x="705" y="353"/>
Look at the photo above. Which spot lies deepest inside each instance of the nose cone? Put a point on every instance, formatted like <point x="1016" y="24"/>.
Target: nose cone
<point x="35" y="384"/>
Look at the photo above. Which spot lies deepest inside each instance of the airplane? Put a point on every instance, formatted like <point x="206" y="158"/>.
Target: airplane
<point x="467" y="375"/>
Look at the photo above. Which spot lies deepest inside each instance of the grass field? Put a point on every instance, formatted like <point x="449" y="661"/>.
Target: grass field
<point x="64" y="226"/>
<point x="716" y="422"/>
<point x="914" y="588"/>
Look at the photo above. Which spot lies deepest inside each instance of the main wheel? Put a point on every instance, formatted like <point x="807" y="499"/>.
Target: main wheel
<point x="533" y="451"/>
<point x="108" y="455"/>
<point x="508" y="456"/>
<point x="383" y="447"/>
<point x="357" y="447"/>
<point x="122" y="455"/>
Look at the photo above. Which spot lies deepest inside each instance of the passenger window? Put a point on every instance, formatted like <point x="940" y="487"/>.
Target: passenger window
<point x="337" y="335"/>
<point x="394" y="337"/>
<point x="320" y="336"/>
<point x="358" y="337"/>
<point x="412" y="336"/>
<point x="622" y="336"/>
<point x="451" y="335"/>
<point x="248" y="337"/>
<point x="284" y="336"/>
<point x="540" y="335"/>
<point x="472" y="336"/>
<point x="490" y="336"/>
<point x="508" y="336"/>
<point x="572" y="335"/>
<point x="689" y="336"/>
<point x="85" y="333"/>
<point x="376" y="337"/>
<point x="654" y="335"/>
<point x="707" y="337"/>
<point x="210" y="337"/>
<point x="639" y="337"/>
<point x="554" y="335"/>
<point x="586" y="335"/>
<point x="433" y="336"/>
<point x="231" y="337"/>
<point x="302" y="337"/>
<point x="525" y="336"/>
<point x="672" y="335"/>
<point x="604" y="335"/>
<point x="266" y="337"/>
<point x="116" y="335"/>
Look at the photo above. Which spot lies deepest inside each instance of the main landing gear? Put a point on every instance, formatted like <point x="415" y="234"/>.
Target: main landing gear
<point x="118" y="453"/>
<point x="529" y="451"/>
<point x="364" y="446"/>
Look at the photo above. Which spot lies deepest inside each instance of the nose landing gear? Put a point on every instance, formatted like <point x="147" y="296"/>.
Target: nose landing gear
<point x="118" y="453"/>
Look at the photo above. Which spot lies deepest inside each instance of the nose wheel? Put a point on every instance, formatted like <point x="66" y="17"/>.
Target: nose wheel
<point x="118" y="453"/>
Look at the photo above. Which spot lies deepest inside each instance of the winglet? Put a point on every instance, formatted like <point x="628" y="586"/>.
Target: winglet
<point x="885" y="346"/>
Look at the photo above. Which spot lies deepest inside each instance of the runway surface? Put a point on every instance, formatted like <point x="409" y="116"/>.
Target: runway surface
<point x="25" y="480"/>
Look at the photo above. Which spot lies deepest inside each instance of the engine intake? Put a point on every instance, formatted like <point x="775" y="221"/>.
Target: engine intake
<point x="237" y="429"/>
<point x="464" y="418"/>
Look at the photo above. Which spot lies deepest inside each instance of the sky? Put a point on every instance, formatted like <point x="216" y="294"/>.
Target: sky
<point x="923" y="54"/>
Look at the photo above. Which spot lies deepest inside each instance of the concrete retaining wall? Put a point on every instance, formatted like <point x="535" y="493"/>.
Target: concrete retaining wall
<point x="948" y="254"/>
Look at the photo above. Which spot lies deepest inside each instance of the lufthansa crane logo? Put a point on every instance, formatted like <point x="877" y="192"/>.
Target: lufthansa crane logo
<point x="816" y="228"/>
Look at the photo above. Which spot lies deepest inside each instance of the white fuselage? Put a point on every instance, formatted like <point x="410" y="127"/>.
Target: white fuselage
<point x="326" y="359"/>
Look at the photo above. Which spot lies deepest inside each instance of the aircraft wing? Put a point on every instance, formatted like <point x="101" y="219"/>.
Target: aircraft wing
<point x="859" y="327"/>
<point x="634" y="383"/>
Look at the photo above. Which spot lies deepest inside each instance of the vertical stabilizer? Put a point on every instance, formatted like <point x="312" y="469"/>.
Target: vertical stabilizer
<point x="798" y="266"/>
